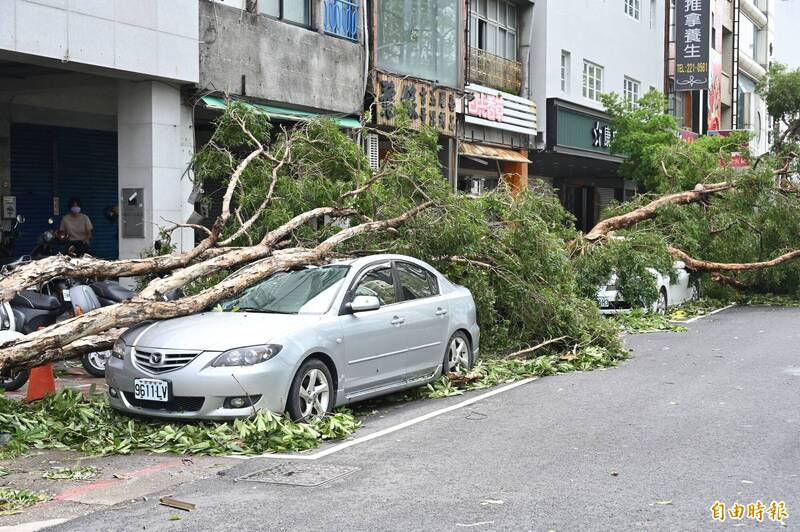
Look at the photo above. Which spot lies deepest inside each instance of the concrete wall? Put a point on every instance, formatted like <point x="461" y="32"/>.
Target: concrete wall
<point x="155" y="143"/>
<point x="600" y="32"/>
<point x="151" y="37"/>
<point x="280" y="62"/>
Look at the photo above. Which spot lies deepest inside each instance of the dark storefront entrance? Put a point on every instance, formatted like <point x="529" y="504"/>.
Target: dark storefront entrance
<point x="578" y="163"/>
<point x="49" y="165"/>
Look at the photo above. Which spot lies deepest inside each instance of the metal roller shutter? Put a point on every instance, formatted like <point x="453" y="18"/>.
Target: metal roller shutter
<point x="51" y="162"/>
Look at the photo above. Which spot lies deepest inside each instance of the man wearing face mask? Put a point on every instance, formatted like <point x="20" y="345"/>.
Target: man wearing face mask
<point x="77" y="226"/>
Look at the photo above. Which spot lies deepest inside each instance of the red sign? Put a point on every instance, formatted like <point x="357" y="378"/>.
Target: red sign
<point x="487" y="106"/>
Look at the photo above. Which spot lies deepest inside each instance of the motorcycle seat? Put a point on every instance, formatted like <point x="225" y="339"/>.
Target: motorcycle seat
<point x="35" y="300"/>
<point x="112" y="290"/>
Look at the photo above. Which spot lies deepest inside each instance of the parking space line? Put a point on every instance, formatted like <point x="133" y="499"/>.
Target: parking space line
<point x="400" y="426"/>
<point x="700" y="317"/>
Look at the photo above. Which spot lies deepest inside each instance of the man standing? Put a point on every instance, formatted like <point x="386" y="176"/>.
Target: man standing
<point x="77" y="226"/>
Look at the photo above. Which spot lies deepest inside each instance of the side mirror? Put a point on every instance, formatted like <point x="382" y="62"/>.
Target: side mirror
<point x="679" y="265"/>
<point x="20" y="219"/>
<point x="50" y="221"/>
<point x="364" y="303"/>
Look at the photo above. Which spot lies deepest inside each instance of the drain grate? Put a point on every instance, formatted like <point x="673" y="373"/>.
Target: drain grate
<point x="298" y="474"/>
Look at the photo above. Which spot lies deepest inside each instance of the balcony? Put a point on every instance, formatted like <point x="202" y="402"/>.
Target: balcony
<point x="494" y="71"/>
<point x="341" y="18"/>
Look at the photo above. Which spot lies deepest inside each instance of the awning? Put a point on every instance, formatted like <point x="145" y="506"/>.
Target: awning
<point x="488" y="152"/>
<point x="282" y="113"/>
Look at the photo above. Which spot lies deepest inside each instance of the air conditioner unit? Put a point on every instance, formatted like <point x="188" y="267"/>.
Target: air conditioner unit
<point x="373" y="153"/>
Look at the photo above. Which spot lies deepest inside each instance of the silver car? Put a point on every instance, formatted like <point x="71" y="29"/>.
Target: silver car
<point x="303" y="342"/>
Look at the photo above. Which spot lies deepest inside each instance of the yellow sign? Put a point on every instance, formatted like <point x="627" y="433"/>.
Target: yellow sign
<point x="756" y="511"/>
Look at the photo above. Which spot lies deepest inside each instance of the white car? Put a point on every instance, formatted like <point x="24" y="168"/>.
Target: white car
<point x="669" y="294"/>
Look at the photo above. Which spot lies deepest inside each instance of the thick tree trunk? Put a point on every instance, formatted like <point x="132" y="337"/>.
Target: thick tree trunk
<point x="649" y="211"/>
<point x="68" y="338"/>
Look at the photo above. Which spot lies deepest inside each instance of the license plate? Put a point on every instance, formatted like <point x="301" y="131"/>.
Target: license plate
<point x="65" y="294"/>
<point x="151" y="390"/>
<point x="603" y="301"/>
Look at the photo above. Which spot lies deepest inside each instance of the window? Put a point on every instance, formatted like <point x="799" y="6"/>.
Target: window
<point x="379" y="283"/>
<point x="748" y="37"/>
<point x="296" y="11"/>
<point x="341" y="18"/>
<point x="633" y="8"/>
<point x="419" y="38"/>
<point x="631" y="90"/>
<point x="592" y="81"/>
<point x="308" y="291"/>
<point x="565" y="60"/>
<point x="416" y="282"/>
<point x="493" y="27"/>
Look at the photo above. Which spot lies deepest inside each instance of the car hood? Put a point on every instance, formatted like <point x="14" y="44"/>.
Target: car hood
<point x="219" y="331"/>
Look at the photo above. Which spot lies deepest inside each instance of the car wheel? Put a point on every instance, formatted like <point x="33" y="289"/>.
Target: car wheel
<point x="661" y="304"/>
<point x="312" y="394"/>
<point x="14" y="379"/>
<point x="95" y="363"/>
<point x="458" y="356"/>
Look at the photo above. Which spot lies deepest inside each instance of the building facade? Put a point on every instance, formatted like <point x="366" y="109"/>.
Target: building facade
<point x="741" y="40"/>
<point x="580" y="52"/>
<point x="106" y="100"/>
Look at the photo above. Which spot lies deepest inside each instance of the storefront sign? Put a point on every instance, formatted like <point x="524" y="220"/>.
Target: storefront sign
<point x="575" y="128"/>
<point x="692" y="45"/>
<point x="602" y="135"/>
<point x="499" y="110"/>
<point x="425" y="103"/>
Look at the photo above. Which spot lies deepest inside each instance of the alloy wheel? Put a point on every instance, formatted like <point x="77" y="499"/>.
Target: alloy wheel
<point x="661" y="307"/>
<point x="314" y="394"/>
<point x="98" y="359"/>
<point x="457" y="354"/>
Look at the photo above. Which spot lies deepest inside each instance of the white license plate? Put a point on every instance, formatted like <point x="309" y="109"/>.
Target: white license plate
<point x="603" y="301"/>
<point x="151" y="390"/>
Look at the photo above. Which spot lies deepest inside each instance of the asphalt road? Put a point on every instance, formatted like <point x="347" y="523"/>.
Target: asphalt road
<point x="711" y="414"/>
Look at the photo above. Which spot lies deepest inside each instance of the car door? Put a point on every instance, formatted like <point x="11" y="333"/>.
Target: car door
<point x="426" y="315"/>
<point x="376" y="340"/>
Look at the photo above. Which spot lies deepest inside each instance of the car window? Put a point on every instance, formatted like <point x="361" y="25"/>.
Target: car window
<point x="308" y="291"/>
<point x="416" y="282"/>
<point x="379" y="283"/>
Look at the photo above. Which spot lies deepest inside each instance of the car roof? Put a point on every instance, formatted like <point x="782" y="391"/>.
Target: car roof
<point x="369" y="259"/>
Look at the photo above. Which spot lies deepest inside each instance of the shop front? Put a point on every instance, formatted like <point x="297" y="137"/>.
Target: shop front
<point x="578" y="163"/>
<point x="498" y="127"/>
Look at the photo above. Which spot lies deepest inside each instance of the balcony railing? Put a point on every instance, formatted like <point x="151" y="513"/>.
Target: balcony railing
<point x="341" y="18"/>
<point x="494" y="71"/>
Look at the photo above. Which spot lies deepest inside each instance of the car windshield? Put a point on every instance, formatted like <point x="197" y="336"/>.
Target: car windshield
<point x="309" y="291"/>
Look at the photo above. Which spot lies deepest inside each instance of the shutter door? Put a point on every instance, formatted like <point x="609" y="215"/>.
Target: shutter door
<point x="32" y="175"/>
<point x="87" y="169"/>
<point x="606" y="196"/>
<point x="50" y="162"/>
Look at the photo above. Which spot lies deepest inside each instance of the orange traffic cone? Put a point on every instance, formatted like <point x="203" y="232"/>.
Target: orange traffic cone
<point x="41" y="382"/>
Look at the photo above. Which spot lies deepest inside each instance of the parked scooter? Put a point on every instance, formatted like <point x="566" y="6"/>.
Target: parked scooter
<point x="12" y="379"/>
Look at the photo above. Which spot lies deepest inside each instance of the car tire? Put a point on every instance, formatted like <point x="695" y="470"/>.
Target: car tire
<point x="307" y="399"/>
<point x="458" y="354"/>
<point x="95" y="363"/>
<point x="663" y="303"/>
<point x="15" y="380"/>
<point x="696" y="295"/>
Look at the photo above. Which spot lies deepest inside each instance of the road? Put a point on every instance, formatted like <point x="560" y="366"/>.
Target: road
<point x="692" y="418"/>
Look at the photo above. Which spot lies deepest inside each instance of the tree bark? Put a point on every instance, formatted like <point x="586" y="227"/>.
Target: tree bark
<point x="709" y="266"/>
<point x="649" y="211"/>
<point x="69" y="338"/>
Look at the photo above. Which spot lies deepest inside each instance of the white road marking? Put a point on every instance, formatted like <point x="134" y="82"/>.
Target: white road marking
<point x="33" y="526"/>
<point x="400" y="426"/>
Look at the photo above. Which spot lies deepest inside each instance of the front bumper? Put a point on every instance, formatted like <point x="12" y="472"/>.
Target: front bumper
<point x="611" y="302"/>
<point x="198" y="390"/>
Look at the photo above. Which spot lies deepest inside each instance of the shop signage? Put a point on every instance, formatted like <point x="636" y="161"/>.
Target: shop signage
<point x="573" y="127"/>
<point x="499" y="110"/>
<point x="425" y="103"/>
<point x="602" y="135"/>
<point x="692" y="45"/>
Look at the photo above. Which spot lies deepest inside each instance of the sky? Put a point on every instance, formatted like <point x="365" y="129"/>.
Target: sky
<point x="787" y="32"/>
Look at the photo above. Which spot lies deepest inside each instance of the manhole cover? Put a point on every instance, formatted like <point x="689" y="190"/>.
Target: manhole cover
<point x="308" y="475"/>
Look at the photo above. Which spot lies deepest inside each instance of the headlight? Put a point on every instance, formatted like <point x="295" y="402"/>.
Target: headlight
<point x="119" y="349"/>
<point x="247" y="356"/>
